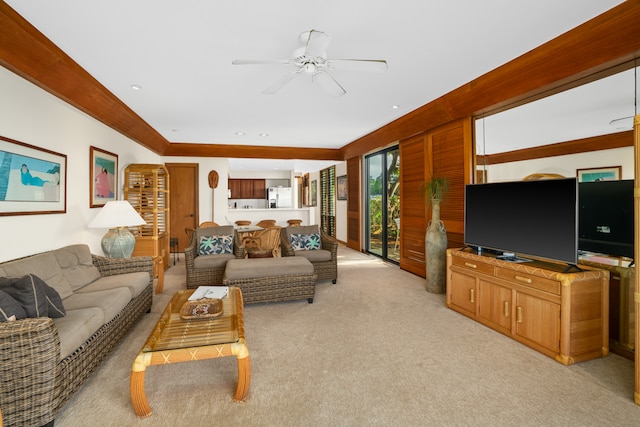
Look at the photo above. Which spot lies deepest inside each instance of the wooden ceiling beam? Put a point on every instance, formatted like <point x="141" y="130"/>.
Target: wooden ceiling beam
<point x="251" y="151"/>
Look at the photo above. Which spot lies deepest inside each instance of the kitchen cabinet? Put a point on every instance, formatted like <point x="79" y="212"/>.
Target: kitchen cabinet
<point x="561" y="314"/>
<point x="247" y="188"/>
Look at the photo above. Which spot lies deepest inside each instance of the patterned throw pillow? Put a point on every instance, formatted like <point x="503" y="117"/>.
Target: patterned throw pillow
<point x="305" y="242"/>
<point x="215" y="245"/>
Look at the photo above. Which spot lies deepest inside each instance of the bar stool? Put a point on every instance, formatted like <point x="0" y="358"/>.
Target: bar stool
<point x="267" y="223"/>
<point x="243" y="222"/>
<point x="294" y="222"/>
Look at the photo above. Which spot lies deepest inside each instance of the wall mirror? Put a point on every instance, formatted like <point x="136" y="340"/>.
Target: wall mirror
<point x="602" y="107"/>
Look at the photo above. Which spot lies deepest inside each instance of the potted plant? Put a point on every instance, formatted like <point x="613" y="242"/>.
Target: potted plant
<point x="436" y="238"/>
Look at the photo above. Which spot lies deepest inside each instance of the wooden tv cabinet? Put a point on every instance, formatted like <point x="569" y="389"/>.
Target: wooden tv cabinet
<point x="562" y="315"/>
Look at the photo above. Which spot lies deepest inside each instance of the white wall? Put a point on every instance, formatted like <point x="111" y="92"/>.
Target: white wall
<point x="564" y="165"/>
<point x="341" y="206"/>
<point x="30" y="115"/>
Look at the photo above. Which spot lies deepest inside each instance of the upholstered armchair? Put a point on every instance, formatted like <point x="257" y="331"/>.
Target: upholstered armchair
<point x="208" y="252"/>
<point x="314" y="244"/>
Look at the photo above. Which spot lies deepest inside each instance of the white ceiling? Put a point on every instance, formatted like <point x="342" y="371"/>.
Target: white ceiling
<point x="180" y="54"/>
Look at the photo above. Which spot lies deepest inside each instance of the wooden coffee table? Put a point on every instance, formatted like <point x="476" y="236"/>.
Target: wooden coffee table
<point x="176" y="340"/>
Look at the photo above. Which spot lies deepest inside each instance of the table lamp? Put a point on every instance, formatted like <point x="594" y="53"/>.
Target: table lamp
<point x="117" y="215"/>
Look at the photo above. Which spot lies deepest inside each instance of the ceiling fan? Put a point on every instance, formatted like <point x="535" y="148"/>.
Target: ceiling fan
<point x="311" y="59"/>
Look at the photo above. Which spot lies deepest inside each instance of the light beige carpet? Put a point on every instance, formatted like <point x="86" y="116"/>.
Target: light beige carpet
<point x="375" y="349"/>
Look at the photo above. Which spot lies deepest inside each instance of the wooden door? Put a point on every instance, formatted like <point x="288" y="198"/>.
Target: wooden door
<point x="183" y="178"/>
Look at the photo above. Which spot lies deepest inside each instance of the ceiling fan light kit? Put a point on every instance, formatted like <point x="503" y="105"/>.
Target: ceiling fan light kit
<point x="311" y="59"/>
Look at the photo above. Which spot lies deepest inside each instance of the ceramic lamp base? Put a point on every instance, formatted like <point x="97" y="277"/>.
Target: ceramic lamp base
<point x="118" y="243"/>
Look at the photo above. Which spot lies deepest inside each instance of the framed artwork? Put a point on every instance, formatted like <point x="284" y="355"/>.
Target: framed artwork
<point x="33" y="180"/>
<point x="104" y="177"/>
<point x="610" y="173"/>
<point x="341" y="184"/>
<point x="314" y="192"/>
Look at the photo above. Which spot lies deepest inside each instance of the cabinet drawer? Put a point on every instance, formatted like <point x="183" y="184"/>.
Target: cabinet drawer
<point x="536" y="282"/>
<point x="473" y="265"/>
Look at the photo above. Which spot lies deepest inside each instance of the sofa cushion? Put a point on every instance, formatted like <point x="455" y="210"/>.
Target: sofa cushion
<point x="240" y="269"/>
<point x="305" y="242"/>
<point x="216" y="245"/>
<point x="135" y="282"/>
<point x="212" y="261"/>
<point x="315" y="256"/>
<point x="77" y="265"/>
<point x="29" y="295"/>
<point x="223" y="230"/>
<point x="45" y="266"/>
<point x="76" y="327"/>
<point x="10" y="309"/>
<point x="110" y="301"/>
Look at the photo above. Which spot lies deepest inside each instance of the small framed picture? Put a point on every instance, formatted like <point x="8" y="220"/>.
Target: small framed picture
<point x="314" y="193"/>
<point x="32" y="180"/>
<point x="610" y="173"/>
<point x="104" y="177"/>
<point x="341" y="187"/>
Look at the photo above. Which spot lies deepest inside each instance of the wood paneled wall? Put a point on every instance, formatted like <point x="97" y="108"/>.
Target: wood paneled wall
<point x="447" y="152"/>
<point x="353" y="203"/>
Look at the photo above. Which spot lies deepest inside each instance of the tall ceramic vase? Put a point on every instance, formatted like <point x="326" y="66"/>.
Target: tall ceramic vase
<point x="436" y="251"/>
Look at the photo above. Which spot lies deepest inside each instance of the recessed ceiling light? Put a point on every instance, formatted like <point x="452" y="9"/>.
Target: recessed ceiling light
<point x="395" y="107"/>
<point x="136" y="87"/>
<point x="263" y="134"/>
<point x="239" y="133"/>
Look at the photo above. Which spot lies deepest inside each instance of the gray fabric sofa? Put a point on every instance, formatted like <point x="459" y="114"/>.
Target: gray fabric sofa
<point x="44" y="360"/>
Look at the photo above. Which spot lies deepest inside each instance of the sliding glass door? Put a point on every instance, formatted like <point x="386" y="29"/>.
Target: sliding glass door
<point x="383" y="204"/>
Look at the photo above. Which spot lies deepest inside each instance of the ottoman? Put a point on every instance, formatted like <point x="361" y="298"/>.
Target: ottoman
<point x="272" y="279"/>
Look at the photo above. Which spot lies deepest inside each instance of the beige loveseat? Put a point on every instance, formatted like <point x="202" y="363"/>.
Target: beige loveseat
<point x="44" y="360"/>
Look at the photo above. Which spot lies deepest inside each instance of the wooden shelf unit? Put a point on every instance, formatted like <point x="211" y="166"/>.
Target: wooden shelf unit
<point x="562" y="315"/>
<point x="146" y="187"/>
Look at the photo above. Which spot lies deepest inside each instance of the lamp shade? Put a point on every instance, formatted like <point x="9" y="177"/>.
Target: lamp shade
<point x="116" y="216"/>
<point x="117" y="213"/>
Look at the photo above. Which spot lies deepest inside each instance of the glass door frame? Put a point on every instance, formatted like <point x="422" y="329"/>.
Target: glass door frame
<point x="384" y="252"/>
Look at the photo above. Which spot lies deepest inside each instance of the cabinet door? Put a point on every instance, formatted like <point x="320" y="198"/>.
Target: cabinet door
<point x="538" y="321"/>
<point x="463" y="293"/>
<point x="494" y="305"/>
<point x="234" y="186"/>
<point x="246" y="189"/>
<point x="259" y="189"/>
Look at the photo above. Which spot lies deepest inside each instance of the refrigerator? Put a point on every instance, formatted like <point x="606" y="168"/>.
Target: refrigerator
<point x="279" y="197"/>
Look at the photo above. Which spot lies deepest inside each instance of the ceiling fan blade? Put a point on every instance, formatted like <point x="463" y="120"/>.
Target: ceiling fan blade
<point x="329" y="84"/>
<point x="260" y="61"/>
<point x="316" y="43"/>
<point x="282" y="82"/>
<point x="358" y="64"/>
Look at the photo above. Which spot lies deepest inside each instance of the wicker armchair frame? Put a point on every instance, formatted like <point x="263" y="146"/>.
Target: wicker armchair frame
<point x="206" y="276"/>
<point x="325" y="270"/>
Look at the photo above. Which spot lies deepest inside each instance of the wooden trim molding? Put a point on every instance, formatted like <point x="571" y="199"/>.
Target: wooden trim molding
<point x="28" y="53"/>
<point x="596" y="143"/>
<point x="253" y="151"/>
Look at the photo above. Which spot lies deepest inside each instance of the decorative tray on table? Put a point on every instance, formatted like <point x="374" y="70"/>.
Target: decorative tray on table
<point x="204" y="308"/>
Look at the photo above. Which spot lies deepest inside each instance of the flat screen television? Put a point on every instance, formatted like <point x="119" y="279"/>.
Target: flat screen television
<point x="606" y="223"/>
<point x="537" y="218"/>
